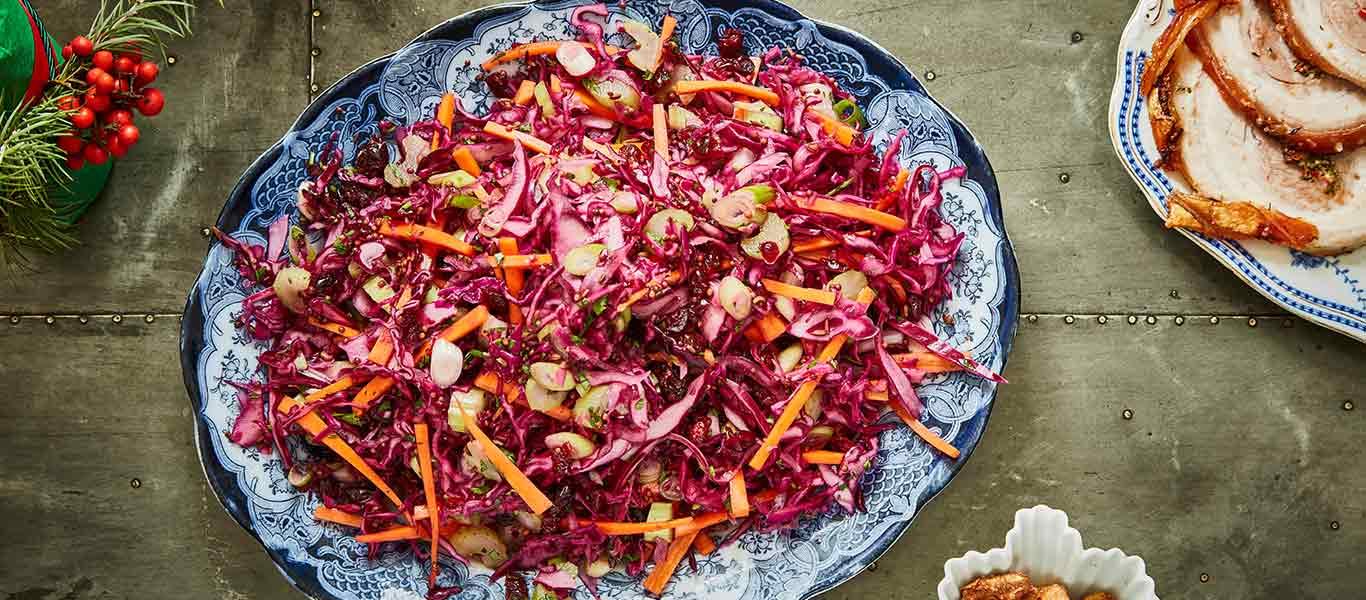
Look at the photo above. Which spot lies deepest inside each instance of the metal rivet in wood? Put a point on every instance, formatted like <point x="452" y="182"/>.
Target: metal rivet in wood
<point x="317" y="13"/>
<point x="14" y="320"/>
<point x="1175" y="294"/>
<point x="1214" y="320"/>
<point x="135" y="483"/>
<point x="1069" y="319"/>
<point x="117" y="318"/>
<point x="49" y="319"/>
<point x="1064" y="177"/>
<point x="1032" y="318"/>
<point x="1252" y="321"/>
<point x="1077" y="37"/>
<point x="1127" y="414"/>
<point x="1335" y="526"/>
<point x="83" y="319"/>
<point x="1204" y="578"/>
<point x="1132" y="319"/>
<point x="1151" y="320"/>
<point x="1348" y="405"/>
<point x="150" y="318"/>
<point x="205" y="232"/>
<point x="1102" y="319"/>
<point x="1179" y="320"/>
<point x="170" y="60"/>
<point x="929" y="75"/>
<point x="315" y="51"/>
<point x="313" y="88"/>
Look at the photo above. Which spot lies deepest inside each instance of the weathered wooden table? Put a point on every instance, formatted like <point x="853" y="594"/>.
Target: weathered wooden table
<point x="1167" y="407"/>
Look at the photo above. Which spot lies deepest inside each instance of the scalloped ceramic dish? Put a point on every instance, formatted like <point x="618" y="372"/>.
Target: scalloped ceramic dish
<point x="325" y="562"/>
<point x="1327" y="291"/>
<point x="1043" y="546"/>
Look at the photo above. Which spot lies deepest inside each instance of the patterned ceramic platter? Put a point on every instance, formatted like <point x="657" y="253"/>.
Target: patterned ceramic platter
<point x="1328" y="291"/>
<point x="823" y="551"/>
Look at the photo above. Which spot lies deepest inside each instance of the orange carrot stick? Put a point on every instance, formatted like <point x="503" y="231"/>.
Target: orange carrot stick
<point x="396" y="534"/>
<point x="462" y="327"/>
<point x="666" y="32"/>
<point x="336" y="328"/>
<point x="525" y="92"/>
<point x="702" y="521"/>
<point x="853" y="211"/>
<point x="518" y="262"/>
<point x="814" y="244"/>
<point x="427" y="235"/>
<point x="659" y="578"/>
<point x="897" y="184"/>
<point x="632" y="528"/>
<point x="661" y="131"/>
<point x="424" y="462"/>
<point x="445" y="115"/>
<point x="532" y="495"/>
<point x="823" y="457"/>
<point x="556" y="86"/>
<point x="804" y="391"/>
<point x="465" y="160"/>
<point x="380" y="355"/>
<point x="842" y="133"/>
<point x="766" y="328"/>
<point x="314" y="425"/>
<point x="712" y="85"/>
<point x="797" y="292"/>
<point x="924" y="432"/>
<point x="534" y="49"/>
<point x="340" y="517"/>
<point x="704" y="545"/>
<point x="531" y="142"/>
<point x="739" y="497"/>
<point x="511" y="273"/>
<point x="595" y="108"/>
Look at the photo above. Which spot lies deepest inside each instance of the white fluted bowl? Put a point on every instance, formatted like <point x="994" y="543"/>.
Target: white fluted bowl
<point x="1043" y="546"/>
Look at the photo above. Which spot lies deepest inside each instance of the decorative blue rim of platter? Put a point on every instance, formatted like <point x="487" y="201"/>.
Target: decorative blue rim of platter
<point x="822" y="551"/>
<point x="1327" y="291"/>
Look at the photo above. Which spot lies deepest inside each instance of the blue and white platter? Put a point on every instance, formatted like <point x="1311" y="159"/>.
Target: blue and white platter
<point x="1328" y="291"/>
<point x="324" y="562"/>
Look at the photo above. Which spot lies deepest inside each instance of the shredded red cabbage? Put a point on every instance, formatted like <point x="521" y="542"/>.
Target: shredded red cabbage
<point x="637" y="324"/>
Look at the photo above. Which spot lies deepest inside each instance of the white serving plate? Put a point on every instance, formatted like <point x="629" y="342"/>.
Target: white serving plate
<point x="1328" y="291"/>
<point x="1043" y="546"/>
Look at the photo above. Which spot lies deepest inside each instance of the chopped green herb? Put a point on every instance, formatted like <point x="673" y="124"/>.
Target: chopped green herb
<point x="839" y="188"/>
<point x="600" y="306"/>
<point x="347" y="417"/>
<point x="464" y="201"/>
<point x="611" y="184"/>
<point x="473" y="354"/>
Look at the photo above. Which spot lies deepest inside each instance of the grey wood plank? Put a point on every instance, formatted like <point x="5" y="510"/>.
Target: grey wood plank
<point x="88" y="410"/>
<point x="236" y="86"/>
<point x="1238" y="457"/>
<point x="1035" y="99"/>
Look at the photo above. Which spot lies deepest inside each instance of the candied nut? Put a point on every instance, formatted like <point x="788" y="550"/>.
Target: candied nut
<point x="1006" y="586"/>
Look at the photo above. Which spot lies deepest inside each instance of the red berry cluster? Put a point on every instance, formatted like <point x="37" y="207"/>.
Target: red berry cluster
<point x="103" y="114"/>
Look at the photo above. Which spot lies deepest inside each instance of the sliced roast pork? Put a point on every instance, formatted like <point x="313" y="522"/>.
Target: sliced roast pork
<point x="1247" y="57"/>
<point x="1331" y="34"/>
<point x="1224" y="157"/>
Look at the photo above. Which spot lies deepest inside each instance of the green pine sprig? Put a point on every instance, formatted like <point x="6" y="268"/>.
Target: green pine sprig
<point x="31" y="163"/>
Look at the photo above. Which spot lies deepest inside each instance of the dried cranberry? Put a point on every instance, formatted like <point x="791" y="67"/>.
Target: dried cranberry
<point x="516" y="587"/>
<point x="699" y="432"/>
<point x="675" y="322"/>
<point x="500" y="84"/>
<point x="371" y="158"/>
<point x="493" y="299"/>
<point x="563" y="462"/>
<point x="731" y="44"/>
<point x="739" y="68"/>
<point x="769" y="250"/>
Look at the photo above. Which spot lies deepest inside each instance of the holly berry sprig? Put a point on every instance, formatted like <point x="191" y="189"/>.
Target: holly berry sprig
<point x="106" y="89"/>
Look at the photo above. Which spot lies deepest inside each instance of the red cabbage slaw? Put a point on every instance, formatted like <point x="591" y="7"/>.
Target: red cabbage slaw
<point x="663" y="287"/>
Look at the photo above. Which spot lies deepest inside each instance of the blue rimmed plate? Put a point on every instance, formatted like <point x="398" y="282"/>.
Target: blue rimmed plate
<point x="823" y="551"/>
<point x="1328" y="291"/>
